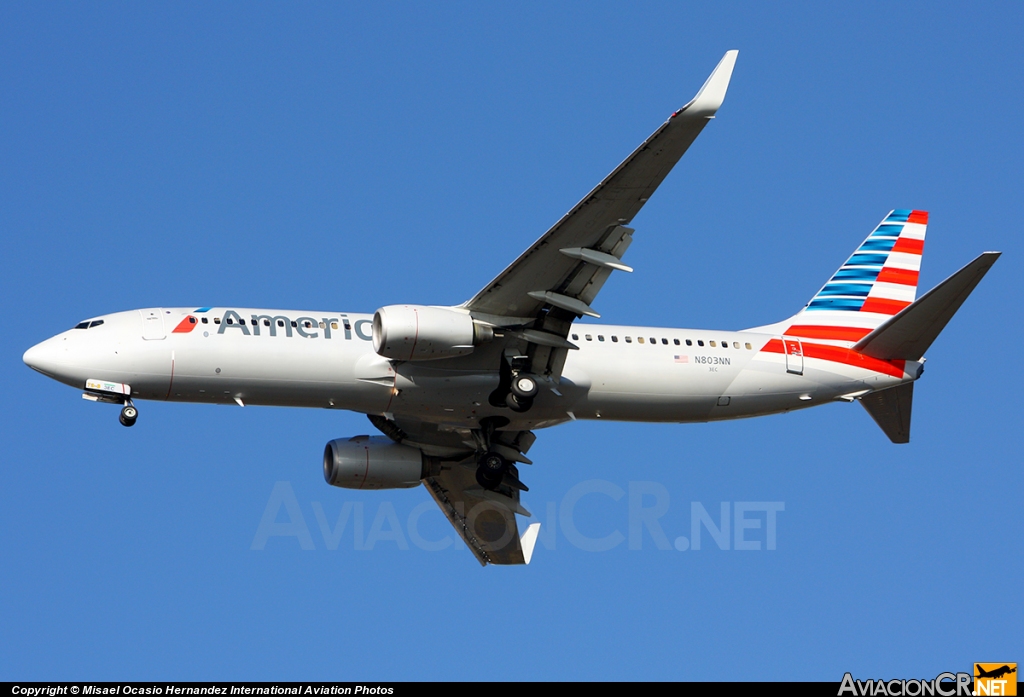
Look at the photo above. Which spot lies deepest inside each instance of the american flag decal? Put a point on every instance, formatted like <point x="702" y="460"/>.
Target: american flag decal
<point x="682" y="359"/>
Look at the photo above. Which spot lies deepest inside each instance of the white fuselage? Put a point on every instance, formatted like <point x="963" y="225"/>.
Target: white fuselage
<point x="326" y="360"/>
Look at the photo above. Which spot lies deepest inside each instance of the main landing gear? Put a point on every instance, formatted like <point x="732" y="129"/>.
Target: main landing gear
<point x="516" y="388"/>
<point x="521" y="393"/>
<point x="129" y="414"/>
<point x="491" y="468"/>
<point x="494" y="468"/>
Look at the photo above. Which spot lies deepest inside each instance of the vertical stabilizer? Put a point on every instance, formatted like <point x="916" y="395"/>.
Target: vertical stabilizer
<point x="876" y="282"/>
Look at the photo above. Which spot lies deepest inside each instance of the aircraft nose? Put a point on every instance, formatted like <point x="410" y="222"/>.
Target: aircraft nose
<point x="42" y="357"/>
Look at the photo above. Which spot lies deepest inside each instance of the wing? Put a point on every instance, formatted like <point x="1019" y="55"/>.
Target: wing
<point x="557" y="278"/>
<point x="485" y="520"/>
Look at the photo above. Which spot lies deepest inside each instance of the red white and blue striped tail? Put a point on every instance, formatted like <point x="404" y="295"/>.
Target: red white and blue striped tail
<point x="875" y="283"/>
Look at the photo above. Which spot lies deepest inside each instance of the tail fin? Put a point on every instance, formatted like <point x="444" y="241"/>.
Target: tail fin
<point x="877" y="281"/>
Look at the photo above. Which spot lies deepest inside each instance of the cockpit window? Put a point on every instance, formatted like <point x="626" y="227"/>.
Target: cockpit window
<point x="87" y="324"/>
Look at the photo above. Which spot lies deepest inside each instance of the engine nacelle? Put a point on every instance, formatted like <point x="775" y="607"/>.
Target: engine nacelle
<point x="421" y="333"/>
<point x="366" y="462"/>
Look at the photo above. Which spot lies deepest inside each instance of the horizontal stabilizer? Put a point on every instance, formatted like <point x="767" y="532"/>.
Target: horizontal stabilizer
<point x="891" y="410"/>
<point x="909" y="334"/>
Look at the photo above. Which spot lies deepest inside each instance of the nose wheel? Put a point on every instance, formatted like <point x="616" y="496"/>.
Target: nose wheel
<point x="129" y="414"/>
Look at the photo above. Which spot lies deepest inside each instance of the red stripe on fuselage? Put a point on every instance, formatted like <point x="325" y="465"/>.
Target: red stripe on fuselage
<point x="185" y="326"/>
<point x="838" y="354"/>
<point x="815" y="331"/>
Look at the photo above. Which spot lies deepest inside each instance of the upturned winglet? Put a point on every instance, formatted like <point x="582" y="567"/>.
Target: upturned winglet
<point x="528" y="541"/>
<point x="712" y="94"/>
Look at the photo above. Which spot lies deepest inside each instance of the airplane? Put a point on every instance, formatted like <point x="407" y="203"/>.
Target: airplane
<point x="458" y="392"/>
<point x="995" y="673"/>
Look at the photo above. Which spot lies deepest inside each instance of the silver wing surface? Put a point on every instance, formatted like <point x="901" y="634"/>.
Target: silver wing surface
<point x="531" y="306"/>
<point x="484" y="519"/>
<point x="557" y="278"/>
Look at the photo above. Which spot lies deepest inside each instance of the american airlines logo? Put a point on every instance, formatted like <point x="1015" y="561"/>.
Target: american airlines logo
<point x="282" y="325"/>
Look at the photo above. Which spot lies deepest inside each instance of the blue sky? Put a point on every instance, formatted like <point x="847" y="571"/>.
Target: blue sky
<point x="337" y="156"/>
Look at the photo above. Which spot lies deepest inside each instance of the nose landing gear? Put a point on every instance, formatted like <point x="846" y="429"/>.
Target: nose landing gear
<point x="113" y="393"/>
<point x="129" y="414"/>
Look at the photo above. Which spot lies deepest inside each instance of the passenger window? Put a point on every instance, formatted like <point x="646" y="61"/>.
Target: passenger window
<point x="749" y="347"/>
<point x="629" y="340"/>
<point x="588" y="337"/>
<point x="294" y="323"/>
<point x="266" y="323"/>
<point x="323" y="326"/>
<point x="575" y="337"/>
<point x="206" y="320"/>
<point x="713" y="345"/>
<point x="675" y="341"/>
<point x="689" y="343"/>
<point x="735" y="344"/>
<point x="639" y="340"/>
<point x="725" y="344"/>
<point x="665" y="341"/>
<point x="700" y="342"/>
<point x="231" y="321"/>
<point x="615" y="339"/>
<point x="280" y="322"/>
<point x="307" y="324"/>
<point x="653" y="340"/>
<point x="216" y="320"/>
<point x="600" y="337"/>
<point x="334" y="325"/>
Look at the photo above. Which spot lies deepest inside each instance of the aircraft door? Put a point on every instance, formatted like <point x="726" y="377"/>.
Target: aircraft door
<point x="153" y="324"/>
<point x="794" y="355"/>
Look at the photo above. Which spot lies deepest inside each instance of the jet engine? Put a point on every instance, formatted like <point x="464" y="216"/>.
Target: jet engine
<point x="421" y="333"/>
<point x="376" y="462"/>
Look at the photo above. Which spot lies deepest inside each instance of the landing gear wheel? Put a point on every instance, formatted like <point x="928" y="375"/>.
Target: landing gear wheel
<point x="128" y="416"/>
<point x="491" y="470"/>
<point x="519" y="404"/>
<point x="524" y="387"/>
